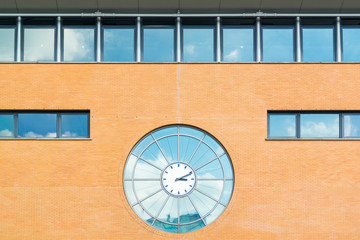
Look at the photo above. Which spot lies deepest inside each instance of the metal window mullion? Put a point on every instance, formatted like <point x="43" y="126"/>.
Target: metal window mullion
<point x="338" y="40"/>
<point x="298" y="40"/>
<point x="58" y="125"/>
<point x="178" y="39"/>
<point x="341" y="126"/>
<point x="218" y="39"/>
<point x="298" y="125"/>
<point x="258" y="40"/>
<point x="18" y="39"/>
<point x="138" y="39"/>
<point x="58" y="39"/>
<point x="98" y="39"/>
<point x="16" y="125"/>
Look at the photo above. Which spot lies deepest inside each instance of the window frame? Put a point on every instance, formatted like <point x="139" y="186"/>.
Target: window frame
<point x="58" y="114"/>
<point x="298" y="125"/>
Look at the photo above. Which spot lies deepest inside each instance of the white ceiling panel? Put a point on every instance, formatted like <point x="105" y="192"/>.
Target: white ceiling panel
<point x="291" y="6"/>
<point x="320" y="6"/>
<point x="119" y="6"/>
<point x="77" y="5"/>
<point x="158" y="6"/>
<point x="199" y="6"/>
<point x="37" y="5"/>
<point x="236" y="6"/>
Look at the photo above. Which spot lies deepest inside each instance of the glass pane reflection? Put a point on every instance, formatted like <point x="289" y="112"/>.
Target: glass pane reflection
<point x="144" y="189"/>
<point x="278" y="44"/>
<point x="203" y="155"/>
<point x="351" y="124"/>
<point x="187" y="147"/>
<point x="153" y="155"/>
<point x="119" y="44"/>
<point x="214" y="214"/>
<point x="202" y="203"/>
<point x="318" y="44"/>
<point x="128" y="186"/>
<point x="282" y="125"/>
<point x="7" y="44"/>
<point x="210" y="188"/>
<point x="350" y="41"/>
<point x="319" y="125"/>
<point x="143" y="170"/>
<point x="39" y="44"/>
<point x="129" y="167"/>
<point x="187" y="211"/>
<point x="158" y="45"/>
<point x="79" y="44"/>
<point x="155" y="202"/>
<point x="166" y="227"/>
<point x="212" y="170"/>
<point x="74" y="125"/>
<point x="142" y="214"/>
<point x="6" y="125"/>
<point x="191" y="227"/>
<point x="37" y="125"/>
<point x="238" y="44"/>
<point x="228" y="169"/>
<point x="228" y="190"/>
<point x="198" y="44"/>
<point x="169" y="147"/>
<point x="170" y="211"/>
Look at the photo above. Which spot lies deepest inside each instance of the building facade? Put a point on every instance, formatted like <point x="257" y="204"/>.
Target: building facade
<point x="260" y="105"/>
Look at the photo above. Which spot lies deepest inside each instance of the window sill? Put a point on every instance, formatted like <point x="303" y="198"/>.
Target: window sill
<point x="312" y="139"/>
<point x="49" y="139"/>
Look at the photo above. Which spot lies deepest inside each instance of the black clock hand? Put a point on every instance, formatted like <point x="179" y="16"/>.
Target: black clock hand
<point x="183" y="177"/>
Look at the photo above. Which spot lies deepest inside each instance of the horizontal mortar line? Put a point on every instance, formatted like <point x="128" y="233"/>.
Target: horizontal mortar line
<point x="185" y="118"/>
<point x="299" y="187"/>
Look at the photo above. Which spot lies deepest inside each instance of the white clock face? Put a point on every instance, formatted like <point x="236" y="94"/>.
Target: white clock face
<point x="178" y="179"/>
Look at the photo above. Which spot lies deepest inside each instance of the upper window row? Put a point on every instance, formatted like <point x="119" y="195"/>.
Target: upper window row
<point x="40" y="124"/>
<point x="123" y="40"/>
<point x="313" y="125"/>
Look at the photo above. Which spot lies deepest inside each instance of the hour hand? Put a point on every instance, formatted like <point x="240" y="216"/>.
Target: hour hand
<point x="180" y="179"/>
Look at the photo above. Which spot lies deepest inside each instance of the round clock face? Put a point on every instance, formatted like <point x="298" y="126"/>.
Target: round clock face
<point x="178" y="179"/>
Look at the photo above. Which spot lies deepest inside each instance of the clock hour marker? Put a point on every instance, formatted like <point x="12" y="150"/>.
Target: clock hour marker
<point x="164" y="178"/>
<point x="185" y="191"/>
<point x="178" y="192"/>
<point x="190" y="185"/>
<point x="185" y="167"/>
<point x="178" y="165"/>
<point x="171" y="167"/>
<point x="171" y="190"/>
<point x="166" y="172"/>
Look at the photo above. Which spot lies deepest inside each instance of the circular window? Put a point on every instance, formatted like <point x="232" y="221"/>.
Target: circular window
<point x="178" y="179"/>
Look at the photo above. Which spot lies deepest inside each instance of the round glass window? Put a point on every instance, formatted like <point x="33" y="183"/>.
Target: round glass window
<point x="178" y="179"/>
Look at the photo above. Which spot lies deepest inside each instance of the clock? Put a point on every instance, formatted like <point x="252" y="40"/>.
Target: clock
<point x="178" y="178"/>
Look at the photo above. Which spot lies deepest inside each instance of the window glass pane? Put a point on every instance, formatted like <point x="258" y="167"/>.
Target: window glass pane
<point x="7" y="44"/>
<point x="158" y="45"/>
<point x="278" y="44"/>
<point x="282" y="125"/>
<point x="351" y="125"/>
<point x="37" y="125"/>
<point x="351" y="45"/>
<point x="319" y="125"/>
<point x="119" y="44"/>
<point x="39" y="44"/>
<point x="6" y="125"/>
<point x="79" y="44"/>
<point x="198" y="44"/>
<point x="318" y="44"/>
<point x="74" y="125"/>
<point x="238" y="44"/>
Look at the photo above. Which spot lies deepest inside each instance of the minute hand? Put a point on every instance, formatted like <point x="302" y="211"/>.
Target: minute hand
<point x="185" y="175"/>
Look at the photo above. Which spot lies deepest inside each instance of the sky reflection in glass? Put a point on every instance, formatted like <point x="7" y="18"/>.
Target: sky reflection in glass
<point x="79" y="44"/>
<point x="318" y="44"/>
<point x="319" y="125"/>
<point x="158" y="44"/>
<point x="6" y="125"/>
<point x="238" y="44"/>
<point x="198" y="44"/>
<point x="282" y="125"/>
<point x="74" y="125"/>
<point x="278" y="44"/>
<point x="39" y="44"/>
<point x="7" y="44"/>
<point x="119" y="44"/>
<point x="351" y="124"/>
<point x="351" y="44"/>
<point x="37" y="125"/>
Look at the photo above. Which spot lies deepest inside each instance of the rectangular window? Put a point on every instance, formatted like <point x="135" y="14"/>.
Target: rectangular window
<point x="7" y="44"/>
<point x="198" y="44"/>
<point x="79" y="44"/>
<point x="158" y="44"/>
<point x="119" y="43"/>
<point x="44" y="124"/>
<point x="351" y="46"/>
<point x="238" y="43"/>
<point x="278" y="43"/>
<point x="313" y="125"/>
<point x="318" y="43"/>
<point x="39" y="44"/>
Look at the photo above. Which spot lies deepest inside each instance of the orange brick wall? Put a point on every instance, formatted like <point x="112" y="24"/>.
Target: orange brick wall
<point x="63" y="189"/>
